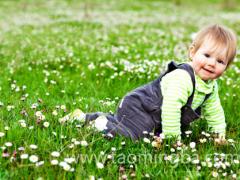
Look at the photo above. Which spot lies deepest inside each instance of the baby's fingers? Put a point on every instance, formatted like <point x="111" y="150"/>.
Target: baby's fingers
<point x="220" y="141"/>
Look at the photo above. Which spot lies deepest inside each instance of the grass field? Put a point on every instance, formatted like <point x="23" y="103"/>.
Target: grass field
<point x="56" y="56"/>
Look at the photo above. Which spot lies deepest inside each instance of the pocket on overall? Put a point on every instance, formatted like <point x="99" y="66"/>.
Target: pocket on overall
<point x="149" y="98"/>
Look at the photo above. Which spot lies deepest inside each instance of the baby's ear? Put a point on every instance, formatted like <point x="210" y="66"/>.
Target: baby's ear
<point x="191" y="51"/>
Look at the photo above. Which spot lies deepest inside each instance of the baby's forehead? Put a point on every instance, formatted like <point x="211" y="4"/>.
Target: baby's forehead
<point x="213" y="46"/>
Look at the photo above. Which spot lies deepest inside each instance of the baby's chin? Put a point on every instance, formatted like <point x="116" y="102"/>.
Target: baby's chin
<point x="209" y="78"/>
<point x="206" y="78"/>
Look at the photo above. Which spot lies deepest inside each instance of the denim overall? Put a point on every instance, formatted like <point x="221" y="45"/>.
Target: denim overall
<point x="140" y="109"/>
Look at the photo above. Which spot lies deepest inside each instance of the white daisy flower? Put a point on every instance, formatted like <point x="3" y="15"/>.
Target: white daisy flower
<point x="209" y="164"/>
<point x="77" y="142"/>
<point x="67" y="167"/>
<point x="33" y="146"/>
<point x="203" y="164"/>
<point x="151" y="134"/>
<point x="62" y="163"/>
<point x="100" y="165"/>
<point x="38" y="113"/>
<point x="24" y="156"/>
<point x="71" y="146"/>
<point x="54" y="162"/>
<point x="109" y="156"/>
<point x="33" y="158"/>
<point x="172" y="150"/>
<point x="145" y="132"/>
<point x="21" y="121"/>
<point x="34" y="106"/>
<point x="21" y="148"/>
<point x="91" y="177"/>
<point x="113" y="149"/>
<point x="62" y="107"/>
<point x="188" y="132"/>
<point x="146" y="140"/>
<point x="72" y="170"/>
<point x="2" y="134"/>
<point x="40" y="163"/>
<point x="54" y="113"/>
<point x="223" y="165"/>
<point x="207" y="134"/>
<point x="179" y="148"/>
<point x="224" y="174"/>
<point x="91" y="66"/>
<point x="46" y="124"/>
<point x="231" y="140"/>
<point x="203" y="140"/>
<point x="55" y="154"/>
<point x="23" y="124"/>
<point x="236" y="161"/>
<point x="195" y="161"/>
<point x="6" y="128"/>
<point x="168" y="158"/>
<point x="147" y="175"/>
<point x="124" y="176"/>
<point x="217" y="165"/>
<point x="215" y="174"/>
<point x="84" y="143"/>
<point x="70" y="160"/>
<point x="227" y="164"/>
<point x="192" y="145"/>
<point x="162" y="136"/>
<point x="8" y="144"/>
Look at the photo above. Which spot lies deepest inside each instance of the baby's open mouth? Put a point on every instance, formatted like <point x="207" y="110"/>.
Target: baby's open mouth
<point x="208" y="70"/>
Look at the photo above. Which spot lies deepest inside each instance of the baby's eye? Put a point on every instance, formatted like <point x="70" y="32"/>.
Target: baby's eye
<point x="220" y="61"/>
<point x="206" y="55"/>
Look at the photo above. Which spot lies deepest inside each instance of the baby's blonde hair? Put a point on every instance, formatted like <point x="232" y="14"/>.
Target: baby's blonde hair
<point x="222" y="37"/>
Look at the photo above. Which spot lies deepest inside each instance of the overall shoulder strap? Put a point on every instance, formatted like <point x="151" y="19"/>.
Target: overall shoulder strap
<point x="207" y="96"/>
<point x="172" y="66"/>
<point x="198" y="110"/>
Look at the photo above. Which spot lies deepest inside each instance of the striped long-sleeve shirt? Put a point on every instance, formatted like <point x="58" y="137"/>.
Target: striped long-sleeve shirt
<point x="176" y="88"/>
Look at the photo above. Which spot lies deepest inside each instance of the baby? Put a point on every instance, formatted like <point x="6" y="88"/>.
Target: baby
<point x="178" y="97"/>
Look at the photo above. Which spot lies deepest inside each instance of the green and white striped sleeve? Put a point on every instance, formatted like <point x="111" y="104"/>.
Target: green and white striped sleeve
<point x="213" y="113"/>
<point x="176" y="87"/>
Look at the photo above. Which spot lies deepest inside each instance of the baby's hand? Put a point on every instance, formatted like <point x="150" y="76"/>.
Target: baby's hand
<point x="178" y="144"/>
<point x="64" y="119"/>
<point x="77" y="114"/>
<point x="157" y="143"/>
<point x="220" y="140"/>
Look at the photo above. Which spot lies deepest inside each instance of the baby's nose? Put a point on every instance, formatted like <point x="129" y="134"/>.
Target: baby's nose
<point x="212" y="61"/>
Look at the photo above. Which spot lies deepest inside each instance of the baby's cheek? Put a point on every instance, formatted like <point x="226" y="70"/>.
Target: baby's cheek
<point x="201" y="63"/>
<point x="219" y="73"/>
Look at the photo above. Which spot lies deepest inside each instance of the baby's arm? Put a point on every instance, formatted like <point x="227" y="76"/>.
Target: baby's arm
<point x="176" y="87"/>
<point x="214" y="114"/>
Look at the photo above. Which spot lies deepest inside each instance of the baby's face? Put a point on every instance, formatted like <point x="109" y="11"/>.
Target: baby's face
<point x="209" y="62"/>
